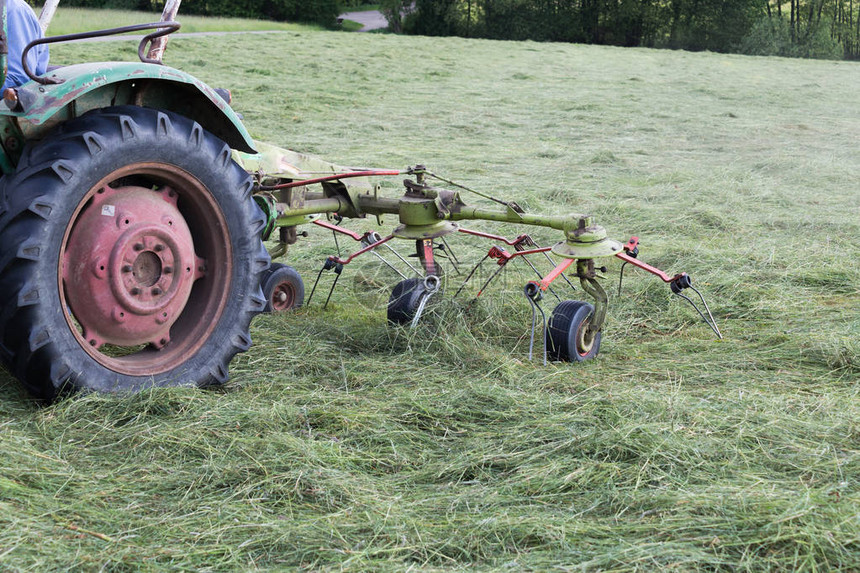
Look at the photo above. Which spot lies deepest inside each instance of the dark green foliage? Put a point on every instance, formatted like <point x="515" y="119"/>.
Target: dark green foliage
<point x="396" y="11"/>
<point x="704" y="24"/>
<point x="814" y="29"/>
<point x="772" y="37"/>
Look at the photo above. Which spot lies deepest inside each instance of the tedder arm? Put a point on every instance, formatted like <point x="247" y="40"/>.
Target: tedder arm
<point x="426" y="214"/>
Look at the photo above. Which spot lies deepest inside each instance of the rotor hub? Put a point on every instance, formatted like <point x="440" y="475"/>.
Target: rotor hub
<point x="586" y="241"/>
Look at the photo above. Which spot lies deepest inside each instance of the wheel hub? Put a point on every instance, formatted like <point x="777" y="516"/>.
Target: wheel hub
<point x="584" y="338"/>
<point x="129" y="266"/>
<point x="283" y="297"/>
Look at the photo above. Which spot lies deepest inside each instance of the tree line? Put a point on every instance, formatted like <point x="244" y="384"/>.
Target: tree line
<point x="799" y="28"/>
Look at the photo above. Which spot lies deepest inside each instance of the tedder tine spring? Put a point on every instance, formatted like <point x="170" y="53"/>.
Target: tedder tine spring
<point x="316" y="282"/>
<point x="455" y="262"/>
<point x="338" y="270"/>
<point x="402" y="259"/>
<point x="489" y="280"/>
<point x="328" y="265"/>
<point x="540" y="276"/>
<point x="389" y="265"/>
<point x="550" y="261"/>
<point x="621" y="277"/>
<point x="532" y="293"/>
<point x="709" y="320"/>
<point x="431" y="287"/>
<point x="470" y="275"/>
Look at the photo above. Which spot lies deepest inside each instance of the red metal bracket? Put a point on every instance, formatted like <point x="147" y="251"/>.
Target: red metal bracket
<point x="483" y="235"/>
<point x="369" y="247"/>
<point x="333" y="177"/>
<point x="554" y="274"/>
<point x="341" y="230"/>
<point x="502" y="256"/>
<point x="646" y="267"/>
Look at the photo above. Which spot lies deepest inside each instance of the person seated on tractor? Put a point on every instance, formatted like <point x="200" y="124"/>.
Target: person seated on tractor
<point x="23" y="27"/>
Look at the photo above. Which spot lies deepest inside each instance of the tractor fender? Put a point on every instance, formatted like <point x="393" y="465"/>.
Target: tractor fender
<point x="84" y="87"/>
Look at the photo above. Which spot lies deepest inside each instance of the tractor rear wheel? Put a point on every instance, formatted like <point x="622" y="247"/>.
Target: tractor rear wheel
<point x="130" y="256"/>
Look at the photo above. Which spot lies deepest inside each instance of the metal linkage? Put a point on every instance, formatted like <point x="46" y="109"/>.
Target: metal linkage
<point x="676" y="283"/>
<point x="503" y="257"/>
<point x="368" y="239"/>
<point x="332" y="177"/>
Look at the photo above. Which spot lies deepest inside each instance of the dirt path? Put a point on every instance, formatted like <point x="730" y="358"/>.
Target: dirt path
<point x="370" y="20"/>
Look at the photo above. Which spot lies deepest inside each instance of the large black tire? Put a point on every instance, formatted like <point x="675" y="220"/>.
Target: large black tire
<point x="566" y="332"/>
<point x="283" y="288"/>
<point x="154" y="208"/>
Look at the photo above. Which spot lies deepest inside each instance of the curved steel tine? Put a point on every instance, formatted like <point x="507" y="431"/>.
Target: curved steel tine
<point x="432" y="287"/>
<point x="621" y="277"/>
<point x="711" y="323"/>
<point x="535" y="309"/>
<point x="470" y="275"/>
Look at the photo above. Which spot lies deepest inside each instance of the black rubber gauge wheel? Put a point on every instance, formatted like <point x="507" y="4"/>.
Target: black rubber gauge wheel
<point x="406" y="298"/>
<point x="283" y="288"/>
<point x="567" y="338"/>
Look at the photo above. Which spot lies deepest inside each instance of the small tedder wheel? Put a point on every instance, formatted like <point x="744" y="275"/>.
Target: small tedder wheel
<point x="567" y="332"/>
<point x="283" y="288"/>
<point x="404" y="300"/>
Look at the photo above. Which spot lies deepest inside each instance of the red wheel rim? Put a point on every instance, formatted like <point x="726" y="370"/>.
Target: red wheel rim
<point x="283" y="296"/>
<point x="145" y="260"/>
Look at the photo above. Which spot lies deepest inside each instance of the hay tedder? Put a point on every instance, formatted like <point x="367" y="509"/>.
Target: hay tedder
<point x="134" y="207"/>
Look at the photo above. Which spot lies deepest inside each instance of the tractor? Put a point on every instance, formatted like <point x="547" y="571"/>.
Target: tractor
<point x="135" y="206"/>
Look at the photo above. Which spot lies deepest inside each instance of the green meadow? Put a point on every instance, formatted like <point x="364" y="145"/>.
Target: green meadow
<point x="341" y="443"/>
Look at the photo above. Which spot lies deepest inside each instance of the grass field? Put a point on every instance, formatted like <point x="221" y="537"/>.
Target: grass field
<point x="341" y="443"/>
<point x="74" y="20"/>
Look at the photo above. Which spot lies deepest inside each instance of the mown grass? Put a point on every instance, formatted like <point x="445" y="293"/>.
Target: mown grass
<point x="73" y="20"/>
<point x="341" y="443"/>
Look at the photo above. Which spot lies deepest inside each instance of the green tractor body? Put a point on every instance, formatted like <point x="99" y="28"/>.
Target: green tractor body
<point x="38" y="108"/>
